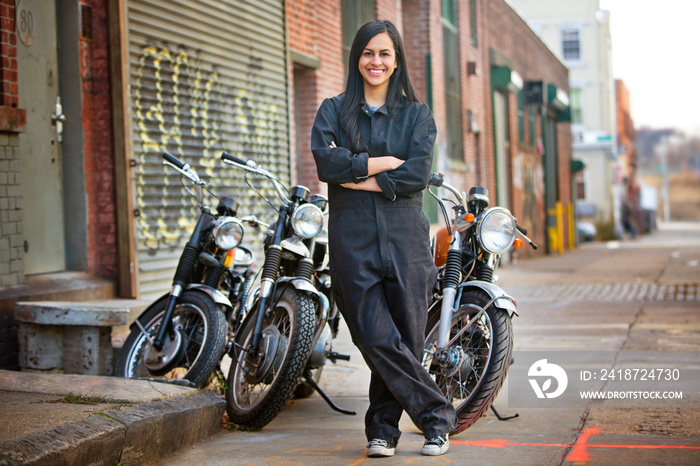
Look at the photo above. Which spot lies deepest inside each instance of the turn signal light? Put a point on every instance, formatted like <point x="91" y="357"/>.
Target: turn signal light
<point x="517" y="242"/>
<point x="469" y="217"/>
<point x="230" y="256"/>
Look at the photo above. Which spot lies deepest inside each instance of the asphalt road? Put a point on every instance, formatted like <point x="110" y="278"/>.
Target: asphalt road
<point x="620" y="319"/>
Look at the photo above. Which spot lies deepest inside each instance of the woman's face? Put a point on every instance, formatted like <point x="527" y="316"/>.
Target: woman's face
<point x="378" y="62"/>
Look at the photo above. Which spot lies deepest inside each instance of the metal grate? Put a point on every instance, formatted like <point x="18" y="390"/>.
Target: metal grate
<point x="609" y="292"/>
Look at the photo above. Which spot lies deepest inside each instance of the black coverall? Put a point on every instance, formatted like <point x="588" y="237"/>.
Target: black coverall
<point x="381" y="265"/>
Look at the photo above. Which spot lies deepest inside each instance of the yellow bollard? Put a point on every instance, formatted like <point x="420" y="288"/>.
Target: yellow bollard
<point x="560" y="229"/>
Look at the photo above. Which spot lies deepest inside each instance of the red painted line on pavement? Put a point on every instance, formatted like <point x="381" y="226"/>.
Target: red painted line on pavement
<point x="579" y="453"/>
<point x="497" y="443"/>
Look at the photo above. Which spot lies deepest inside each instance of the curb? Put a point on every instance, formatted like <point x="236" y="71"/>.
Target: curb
<point x="138" y="434"/>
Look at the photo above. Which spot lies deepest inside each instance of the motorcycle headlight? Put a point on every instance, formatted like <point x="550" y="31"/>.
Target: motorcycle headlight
<point x="496" y="230"/>
<point x="307" y="220"/>
<point x="228" y="232"/>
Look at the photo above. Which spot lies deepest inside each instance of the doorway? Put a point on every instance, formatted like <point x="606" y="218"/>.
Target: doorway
<point x="40" y="146"/>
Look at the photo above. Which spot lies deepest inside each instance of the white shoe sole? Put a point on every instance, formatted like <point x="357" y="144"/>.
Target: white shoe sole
<point x="379" y="452"/>
<point x="435" y="451"/>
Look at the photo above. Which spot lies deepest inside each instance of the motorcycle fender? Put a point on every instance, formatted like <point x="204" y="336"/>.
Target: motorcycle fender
<point x="503" y="300"/>
<point x="216" y="295"/>
<point x="305" y="285"/>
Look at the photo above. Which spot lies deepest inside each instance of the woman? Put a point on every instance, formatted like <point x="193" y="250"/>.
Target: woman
<point x="373" y="145"/>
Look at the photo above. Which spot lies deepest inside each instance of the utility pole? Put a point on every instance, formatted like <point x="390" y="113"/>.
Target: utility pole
<point x="663" y="152"/>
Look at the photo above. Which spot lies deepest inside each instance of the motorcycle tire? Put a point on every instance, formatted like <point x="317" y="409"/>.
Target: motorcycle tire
<point x="259" y="385"/>
<point x="477" y="363"/>
<point x="201" y="342"/>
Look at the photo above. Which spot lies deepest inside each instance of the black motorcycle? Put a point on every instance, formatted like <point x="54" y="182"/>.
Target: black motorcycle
<point x="288" y="331"/>
<point x="469" y="335"/>
<point x="183" y="335"/>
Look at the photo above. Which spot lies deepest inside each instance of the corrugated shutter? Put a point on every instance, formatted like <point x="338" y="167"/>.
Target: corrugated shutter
<point x="205" y="77"/>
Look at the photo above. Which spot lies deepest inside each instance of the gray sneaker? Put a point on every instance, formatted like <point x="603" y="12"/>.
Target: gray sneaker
<point x="378" y="447"/>
<point x="436" y="446"/>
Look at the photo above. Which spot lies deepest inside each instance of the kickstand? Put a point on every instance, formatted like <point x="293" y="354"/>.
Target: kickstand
<point x="308" y="378"/>
<point x="502" y="418"/>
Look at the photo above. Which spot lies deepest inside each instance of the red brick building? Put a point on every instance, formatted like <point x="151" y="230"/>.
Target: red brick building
<point x="470" y="37"/>
<point x="94" y="91"/>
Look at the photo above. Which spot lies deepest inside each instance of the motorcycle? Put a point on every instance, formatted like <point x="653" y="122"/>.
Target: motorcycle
<point x="288" y="332"/>
<point x="469" y="335"/>
<point x="182" y="336"/>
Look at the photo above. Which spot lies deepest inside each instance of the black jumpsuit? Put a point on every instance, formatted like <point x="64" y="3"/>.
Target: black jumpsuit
<point x="381" y="264"/>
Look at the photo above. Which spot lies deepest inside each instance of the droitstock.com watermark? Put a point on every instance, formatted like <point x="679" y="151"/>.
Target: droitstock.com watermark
<point x="569" y="379"/>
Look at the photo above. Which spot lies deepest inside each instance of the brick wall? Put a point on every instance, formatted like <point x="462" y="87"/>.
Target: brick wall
<point x="315" y="30"/>
<point x="391" y="10"/>
<point x="98" y="151"/>
<point x="12" y="122"/>
<point x="525" y="53"/>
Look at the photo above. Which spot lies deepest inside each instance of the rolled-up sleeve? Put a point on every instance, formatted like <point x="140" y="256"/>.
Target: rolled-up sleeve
<point x="413" y="175"/>
<point x="335" y="165"/>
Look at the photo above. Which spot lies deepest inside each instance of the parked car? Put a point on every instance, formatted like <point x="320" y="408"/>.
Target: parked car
<point x="586" y="231"/>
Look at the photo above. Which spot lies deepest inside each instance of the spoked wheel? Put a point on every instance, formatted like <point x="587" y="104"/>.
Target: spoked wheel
<point x="261" y="382"/>
<point x="191" y="351"/>
<point x="470" y="371"/>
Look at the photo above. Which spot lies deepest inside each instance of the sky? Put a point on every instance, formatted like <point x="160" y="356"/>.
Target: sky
<point x="656" y="52"/>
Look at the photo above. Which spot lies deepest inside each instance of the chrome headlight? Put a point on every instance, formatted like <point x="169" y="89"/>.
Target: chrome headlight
<point x="496" y="230"/>
<point x="307" y="220"/>
<point x="228" y="232"/>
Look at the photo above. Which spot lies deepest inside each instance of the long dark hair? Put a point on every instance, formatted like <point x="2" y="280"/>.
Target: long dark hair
<point x="400" y="90"/>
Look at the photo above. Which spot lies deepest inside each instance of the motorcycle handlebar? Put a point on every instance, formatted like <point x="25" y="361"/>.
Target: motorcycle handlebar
<point x="252" y="167"/>
<point x="233" y="158"/>
<point x="182" y="167"/>
<point x="174" y="160"/>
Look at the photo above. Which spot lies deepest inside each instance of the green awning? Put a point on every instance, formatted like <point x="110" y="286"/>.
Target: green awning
<point x="506" y="79"/>
<point x="577" y="166"/>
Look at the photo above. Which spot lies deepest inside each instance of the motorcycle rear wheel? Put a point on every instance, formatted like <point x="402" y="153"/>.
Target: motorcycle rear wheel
<point x="476" y="365"/>
<point x="259" y="385"/>
<point x="201" y="329"/>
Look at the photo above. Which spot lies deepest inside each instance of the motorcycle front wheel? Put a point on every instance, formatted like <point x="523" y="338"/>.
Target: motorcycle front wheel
<point x="261" y="382"/>
<point x="191" y="351"/>
<point x="471" y="371"/>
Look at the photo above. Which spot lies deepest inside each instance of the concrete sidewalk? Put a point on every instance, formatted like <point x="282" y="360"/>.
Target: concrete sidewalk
<point x="78" y="419"/>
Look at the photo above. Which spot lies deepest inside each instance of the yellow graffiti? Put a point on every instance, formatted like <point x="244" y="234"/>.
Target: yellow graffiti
<point x="181" y="106"/>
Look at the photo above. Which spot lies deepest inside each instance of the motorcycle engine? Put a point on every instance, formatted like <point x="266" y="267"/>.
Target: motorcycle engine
<point x="321" y="348"/>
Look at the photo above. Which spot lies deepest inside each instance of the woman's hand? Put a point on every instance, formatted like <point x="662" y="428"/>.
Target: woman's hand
<point x="370" y="184"/>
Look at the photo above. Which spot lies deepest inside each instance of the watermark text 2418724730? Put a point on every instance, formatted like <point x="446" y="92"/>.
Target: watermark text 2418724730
<point x="556" y="379"/>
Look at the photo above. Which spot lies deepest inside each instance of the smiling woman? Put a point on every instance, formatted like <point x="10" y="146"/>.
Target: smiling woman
<point x="377" y="64"/>
<point x="373" y="145"/>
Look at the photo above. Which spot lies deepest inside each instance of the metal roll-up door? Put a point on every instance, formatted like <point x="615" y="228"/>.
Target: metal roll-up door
<point x="205" y="77"/>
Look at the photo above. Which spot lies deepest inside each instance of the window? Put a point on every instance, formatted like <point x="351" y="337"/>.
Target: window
<point x="453" y="92"/>
<point x="354" y="13"/>
<point x="571" y="44"/>
<point x="472" y="18"/>
<point x="531" y="120"/>
<point x="575" y="102"/>
<point x="521" y="115"/>
<point x="580" y="188"/>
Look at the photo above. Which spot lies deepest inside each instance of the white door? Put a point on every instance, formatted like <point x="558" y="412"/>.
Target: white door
<point x="40" y="151"/>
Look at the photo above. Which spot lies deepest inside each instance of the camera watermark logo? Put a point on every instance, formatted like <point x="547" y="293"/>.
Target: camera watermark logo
<point x="543" y="370"/>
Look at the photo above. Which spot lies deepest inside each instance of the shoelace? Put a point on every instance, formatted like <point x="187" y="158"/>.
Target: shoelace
<point x="439" y="441"/>
<point x="379" y="442"/>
